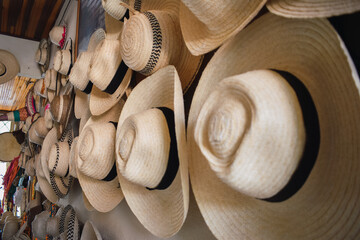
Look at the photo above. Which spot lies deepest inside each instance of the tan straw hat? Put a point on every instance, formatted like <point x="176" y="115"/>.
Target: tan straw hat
<point x="30" y="167"/>
<point x="152" y="40"/>
<point x="51" y="79"/>
<point x="312" y="9"/>
<point x="108" y="73"/>
<point x="63" y="59"/>
<point x="40" y="127"/>
<point x="9" y="147"/>
<point x="95" y="161"/>
<point x="90" y="232"/>
<point x="44" y="184"/>
<point x="81" y="105"/>
<point x="40" y="88"/>
<point x="9" y="66"/>
<point x="64" y="222"/>
<point x="58" y="35"/>
<point x="72" y="161"/>
<point x="151" y="153"/>
<point x="115" y="10"/>
<point x="61" y="108"/>
<point x="47" y="117"/>
<point x="241" y="152"/>
<point x="33" y="137"/>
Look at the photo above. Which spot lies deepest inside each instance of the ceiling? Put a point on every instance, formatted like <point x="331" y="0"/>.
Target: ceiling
<point x="29" y="19"/>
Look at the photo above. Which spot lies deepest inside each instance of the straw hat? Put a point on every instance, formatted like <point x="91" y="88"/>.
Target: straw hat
<point x="95" y="161"/>
<point x="322" y="64"/>
<point x="59" y="159"/>
<point x="9" y="66"/>
<point x="63" y="59"/>
<point x="206" y="25"/>
<point x="152" y="40"/>
<point x="33" y="137"/>
<point x="38" y="226"/>
<point x="115" y="10"/>
<point x="40" y="127"/>
<point x="48" y="117"/>
<point x="51" y="80"/>
<point x="108" y="72"/>
<point x="40" y="89"/>
<point x="42" y="55"/>
<point x="64" y="225"/>
<point x="58" y="35"/>
<point x="30" y="103"/>
<point x="156" y="190"/>
<point x="90" y="232"/>
<point x="43" y="182"/>
<point x="10" y="228"/>
<point x="81" y="105"/>
<point x="61" y="108"/>
<point x="312" y="9"/>
<point x="72" y="161"/>
<point x="9" y="147"/>
<point x="30" y="167"/>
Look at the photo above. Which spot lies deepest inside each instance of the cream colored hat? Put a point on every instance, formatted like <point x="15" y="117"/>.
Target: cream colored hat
<point x="51" y="79"/>
<point x="115" y="10"/>
<point x="48" y="118"/>
<point x="61" y="108"/>
<point x="72" y="161"/>
<point x="33" y="137"/>
<point x="10" y="228"/>
<point x="312" y="9"/>
<point x="42" y="55"/>
<point x="30" y="167"/>
<point x="38" y="226"/>
<point x="58" y="35"/>
<point x="39" y="88"/>
<point x="64" y="222"/>
<point x="95" y="161"/>
<point x="90" y="232"/>
<point x="225" y="135"/>
<point x="152" y="40"/>
<point x="206" y="25"/>
<point x="9" y="66"/>
<point x="151" y="153"/>
<point x="63" y="59"/>
<point x="108" y="72"/>
<point x="40" y="127"/>
<point x="9" y="147"/>
<point x="44" y="184"/>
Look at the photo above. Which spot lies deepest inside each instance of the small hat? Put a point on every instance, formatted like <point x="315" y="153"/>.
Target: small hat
<point x="235" y="160"/>
<point x="151" y="153"/>
<point x="30" y="103"/>
<point x="47" y="117"/>
<point x="95" y="160"/>
<point x="72" y="161"/>
<point x="38" y="226"/>
<point x="205" y="26"/>
<point x="115" y="10"/>
<point x="10" y="228"/>
<point x="44" y="184"/>
<point x="63" y="59"/>
<point x="108" y="72"/>
<point x="51" y="80"/>
<point x="9" y="66"/>
<point x="152" y="40"/>
<point x="30" y="167"/>
<point x="42" y="55"/>
<point x="312" y="9"/>
<point x="58" y="35"/>
<point x="61" y="108"/>
<point x="90" y="232"/>
<point x="40" y="88"/>
<point x="40" y="127"/>
<point x="33" y="137"/>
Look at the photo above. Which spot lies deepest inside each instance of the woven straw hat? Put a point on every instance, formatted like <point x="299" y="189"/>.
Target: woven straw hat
<point x="58" y="35"/>
<point x="72" y="161"/>
<point x="51" y="79"/>
<point x="108" y="72"/>
<point x="115" y="10"/>
<point x="312" y="9"/>
<point x="95" y="161"/>
<point x="43" y="182"/>
<point x="152" y="40"/>
<point x="61" y="108"/>
<point x="205" y="25"/>
<point x="322" y="64"/>
<point x="9" y="147"/>
<point x="150" y="120"/>
<point x="48" y="118"/>
<point x="30" y="103"/>
<point x="33" y="137"/>
<point x="40" y="89"/>
<point x="81" y="105"/>
<point x="30" y="167"/>
<point x="10" y="228"/>
<point x="40" y="127"/>
<point x="42" y="55"/>
<point x="38" y="226"/>
<point x="90" y="232"/>
<point x="63" y="59"/>
<point x="9" y="66"/>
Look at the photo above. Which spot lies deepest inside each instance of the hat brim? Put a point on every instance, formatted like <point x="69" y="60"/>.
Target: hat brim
<point x="102" y="195"/>
<point x="44" y="184"/>
<point x="50" y="140"/>
<point x="162" y="212"/>
<point x="312" y="51"/>
<point x="11" y="64"/>
<point x="81" y="103"/>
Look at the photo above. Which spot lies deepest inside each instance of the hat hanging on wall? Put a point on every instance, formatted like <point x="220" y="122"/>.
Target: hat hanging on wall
<point x="95" y="160"/>
<point x="9" y="66"/>
<point x="9" y="147"/>
<point x="42" y="55"/>
<point x="90" y="232"/>
<point x="151" y="153"/>
<point x="30" y="103"/>
<point x="61" y="110"/>
<point x="63" y="59"/>
<point x="206" y="26"/>
<point x="38" y="226"/>
<point x="115" y="10"/>
<point x="152" y="40"/>
<point x="40" y="88"/>
<point x="227" y="167"/>
<point x="312" y="9"/>
<point x="58" y="35"/>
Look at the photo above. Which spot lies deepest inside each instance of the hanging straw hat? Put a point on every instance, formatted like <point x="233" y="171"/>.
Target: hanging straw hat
<point x="115" y="10"/>
<point x="48" y="117"/>
<point x="40" y="127"/>
<point x="90" y="232"/>
<point x="30" y="167"/>
<point x="58" y="35"/>
<point x="61" y="108"/>
<point x="152" y="40"/>
<point x="95" y="160"/>
<point x="72" y="161"/>
<point x="33" y="137"/>
<point x="30" y="103"/>
<point x="64" y="225"/>
<point x="108" y="72"/>
<point x="45" y="186"/>
<point x="63" y="59"/>
<point x="51" y="80"/>
<point x="42" y="55"/>
<point x="312" y="9"/>
<point x="9" y="66"/>
<point x="38" y="226"/>
<point x="154" y="175"/>
<point x="311" y="51"/>
<point x="40" y="88"/>
<point x="10" y="228"/>
<point x="206" y="25"/>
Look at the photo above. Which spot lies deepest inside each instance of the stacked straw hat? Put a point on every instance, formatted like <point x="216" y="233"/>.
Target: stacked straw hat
<point x="95" y="160"/>
<point x="236" y="174"/>
<point x="61" y="109"/>
<point x="108" y="72"/>
<point x="63" y="59"/>
<point x="9" y="66"/>
<point x="44" y="184"/>
<point x="30" y="167"/>
<point x="152" y="40"/>
<point x="310" y="9"/>
<point x="40" y="127"/>
<point x="33" y="136"/>
<point x="47" y="117"/>
<point x="30" y="103"/>
<point x="58" y="35"/>
<point x="115" y="10"/>
<point x="42" y="55"/>
<point x="65" y="221"/>
<point x="40" y="88"/>
<point x="151" y="153"/>
<point x="206" y="25"/>
<point x="10" y="228"/>
<point x="90" y="232"/>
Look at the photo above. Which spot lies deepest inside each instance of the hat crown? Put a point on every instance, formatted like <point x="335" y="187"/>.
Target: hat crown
<point x="80" y="72"/>
<point x="143" y="148"/>
<point x="150" y="41"/>
<point x="96" y="150"/>
<point x="59" y="108"/>
<point x="249" y="123"/>
<point x="52" y="226"/>
<point x="59" y="159"/>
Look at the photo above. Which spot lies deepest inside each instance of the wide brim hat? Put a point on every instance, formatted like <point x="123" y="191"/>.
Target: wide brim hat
<point x="102" y="195"/>
<point x="90" y="232"/>
<point x="61" y="109"/>
<point x="152" y="39"/>
<point x="38" y="226"/>
<point x="51" y="80"/>
<point x="162" y="212"/>
<point x="81" y="104"/>
<point x="313" y="9"/>
<point x="63" y="59"/>
<point x="44" y="184"/>
<point x="58" y="35"/>
<point x="40" y="89"/>
<point x="40" y="127"/>
<point x="43" y="55"/>
<point x="9" y="66"/>
<point x="312" y="51"/>
<point x="33" y="136"/>
<point x="30" y="103"/>
<point x="206" y="26"/>
<point x="9" y="147"/>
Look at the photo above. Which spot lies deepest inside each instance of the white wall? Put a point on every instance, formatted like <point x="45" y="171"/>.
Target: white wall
<point x="24" y="50"/>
